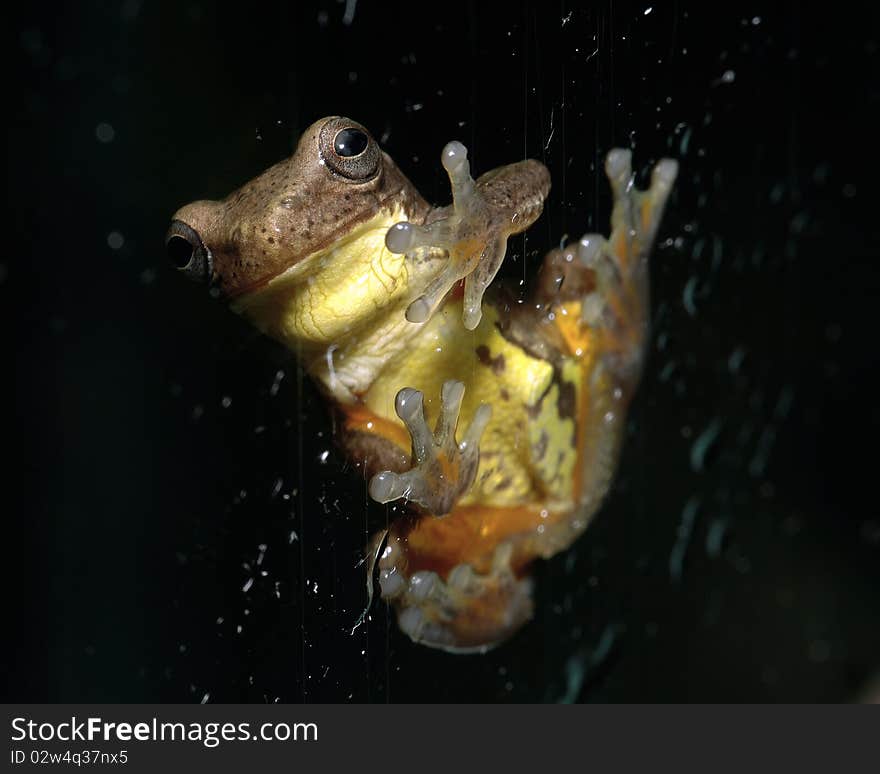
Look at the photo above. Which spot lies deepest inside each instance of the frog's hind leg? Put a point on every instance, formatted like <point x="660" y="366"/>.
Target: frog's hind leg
<point x="453" y="587"/>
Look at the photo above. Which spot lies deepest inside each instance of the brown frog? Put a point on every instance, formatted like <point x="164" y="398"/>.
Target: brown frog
<point x="335" y="254"/>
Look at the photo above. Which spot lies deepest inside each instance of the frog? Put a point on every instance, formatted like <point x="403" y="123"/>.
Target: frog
<point x="490" y="425"/>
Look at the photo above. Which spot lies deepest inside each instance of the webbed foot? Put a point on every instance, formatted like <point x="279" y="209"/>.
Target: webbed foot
<point x="443" y="468"/>
<point x="474" y="230"/>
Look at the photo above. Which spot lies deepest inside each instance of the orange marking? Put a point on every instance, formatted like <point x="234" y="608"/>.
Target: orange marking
<point x="647" y="212"/>
<point x="577" y="336"/>
<point x="470" y="534"/>
<point x="362" y="419"/>
<point x="467" y="251"/>
<point x="592" y="343"/>
<point x="618" y="247"/>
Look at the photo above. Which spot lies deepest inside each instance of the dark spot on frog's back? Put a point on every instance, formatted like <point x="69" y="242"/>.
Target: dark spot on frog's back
<point x="497" y="364"/>
<point x="541" y="447"/>
<point x="567" y="400"/>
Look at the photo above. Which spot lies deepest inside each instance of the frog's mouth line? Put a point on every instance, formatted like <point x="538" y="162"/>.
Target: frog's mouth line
<point x="336" y="236"/>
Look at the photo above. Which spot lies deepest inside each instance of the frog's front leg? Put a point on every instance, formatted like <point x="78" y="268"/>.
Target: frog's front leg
<point x="619" y="306"/>
<point x="444" y="468"/>
<point x="593" y="303"/>
<point x="473" y="231"/>
<point x="598" y="287"/>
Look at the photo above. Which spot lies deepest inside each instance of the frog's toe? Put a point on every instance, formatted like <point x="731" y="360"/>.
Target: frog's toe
<point x="618" y="168"/>
<point x="443" y="468"/>
<point x="446" y="231"/>
<point x="406" y="237"/>
<point x="636" y="214"/>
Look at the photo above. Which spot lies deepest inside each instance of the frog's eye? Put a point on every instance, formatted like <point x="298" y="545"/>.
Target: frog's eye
<point x="187" y="252"/>
<point x="348" y="149"/>
<point x="350" y="142"/>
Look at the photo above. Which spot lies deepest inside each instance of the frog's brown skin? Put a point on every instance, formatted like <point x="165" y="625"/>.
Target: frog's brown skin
<point x="312" y="253"/>
<point x="292" y="210"/>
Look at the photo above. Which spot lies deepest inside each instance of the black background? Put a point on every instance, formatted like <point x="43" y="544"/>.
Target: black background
<point x="159" y="446"/>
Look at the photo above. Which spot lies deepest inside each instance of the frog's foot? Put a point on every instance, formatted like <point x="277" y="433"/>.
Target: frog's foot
<point x="444" y="468"/>
<point x="473" y="231"/>
<point x="464" y="612"/>
<point x="609" y="278"/>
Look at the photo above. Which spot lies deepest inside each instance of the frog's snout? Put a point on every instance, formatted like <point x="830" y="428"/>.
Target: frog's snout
<point x="188" y="252"/>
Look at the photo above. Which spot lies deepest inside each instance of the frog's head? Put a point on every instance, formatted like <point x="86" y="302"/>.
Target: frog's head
<point x="337" y="180"/>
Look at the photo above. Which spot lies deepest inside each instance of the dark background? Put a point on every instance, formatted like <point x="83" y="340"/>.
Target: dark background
<point x="177" y="532"/>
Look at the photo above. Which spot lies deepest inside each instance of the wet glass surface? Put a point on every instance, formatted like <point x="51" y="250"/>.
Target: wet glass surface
<point x="186" y="528"/>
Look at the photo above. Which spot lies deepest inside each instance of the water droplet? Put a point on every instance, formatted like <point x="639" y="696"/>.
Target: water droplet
<point x="105" y="132"/>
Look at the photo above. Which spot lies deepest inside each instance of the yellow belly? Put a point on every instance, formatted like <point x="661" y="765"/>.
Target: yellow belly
<point x="528" y="452"/>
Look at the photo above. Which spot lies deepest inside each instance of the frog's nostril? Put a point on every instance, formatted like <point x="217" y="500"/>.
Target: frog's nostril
<point x="179" y="251"/>
<point x="187" y="251"/>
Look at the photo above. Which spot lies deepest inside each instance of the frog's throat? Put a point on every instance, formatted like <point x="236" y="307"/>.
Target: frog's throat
<point x="342" y="308"/>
